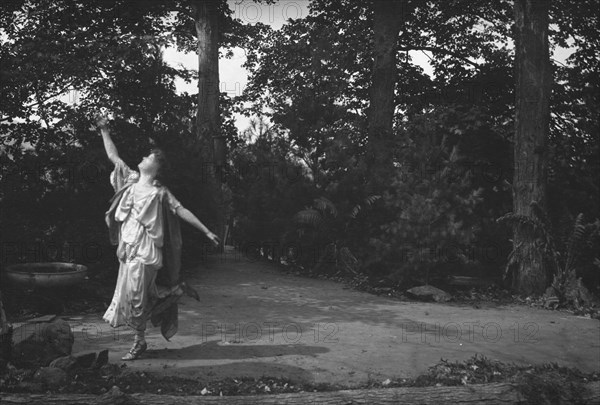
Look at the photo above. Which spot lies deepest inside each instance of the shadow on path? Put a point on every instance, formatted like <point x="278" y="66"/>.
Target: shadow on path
<point x="212" y="350"/>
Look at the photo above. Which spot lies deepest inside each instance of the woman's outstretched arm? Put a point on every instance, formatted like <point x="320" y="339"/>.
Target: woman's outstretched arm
<point x="191" y="219"/>
<point x="109" y="146"/>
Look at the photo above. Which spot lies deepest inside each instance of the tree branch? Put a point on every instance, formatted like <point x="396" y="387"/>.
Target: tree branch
<point x="39" y="102"/>
<point x="442" y="51"/>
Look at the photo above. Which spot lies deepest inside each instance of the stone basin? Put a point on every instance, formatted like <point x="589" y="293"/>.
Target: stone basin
<point x="46" y="275"/>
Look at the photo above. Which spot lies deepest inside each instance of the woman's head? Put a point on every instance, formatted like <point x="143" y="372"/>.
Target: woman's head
<point x="155" y="164"/>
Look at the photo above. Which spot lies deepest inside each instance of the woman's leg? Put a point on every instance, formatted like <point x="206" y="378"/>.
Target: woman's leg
<point x="140" y="294"/>
<point x="139" y="335"/>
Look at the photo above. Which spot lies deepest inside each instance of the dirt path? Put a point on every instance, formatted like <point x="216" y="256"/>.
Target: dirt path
<point x="254" y="320"/>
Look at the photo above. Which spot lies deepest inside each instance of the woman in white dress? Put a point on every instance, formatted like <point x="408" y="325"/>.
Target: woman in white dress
<point x="142" y="220"/>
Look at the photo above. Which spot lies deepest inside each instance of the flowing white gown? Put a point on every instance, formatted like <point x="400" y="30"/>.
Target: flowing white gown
<point x="139" y="251"/>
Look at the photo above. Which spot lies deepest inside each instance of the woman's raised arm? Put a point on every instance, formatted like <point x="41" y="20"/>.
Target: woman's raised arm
<point x="109" y="146"/>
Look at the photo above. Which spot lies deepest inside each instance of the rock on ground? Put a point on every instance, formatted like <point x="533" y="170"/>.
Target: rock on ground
<point x="36" y="345"/>
<point x="50" y="376"/>
<point x="88" y="359"/>
<point x="429" y="293"/>
<point x="66" y="363"/>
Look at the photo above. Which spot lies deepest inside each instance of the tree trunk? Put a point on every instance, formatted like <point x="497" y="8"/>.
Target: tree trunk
<point x="207" y="31"/>
<point x="533" y="86"/>
<point x="208" y="118"/>
<point x="387" y="20"/>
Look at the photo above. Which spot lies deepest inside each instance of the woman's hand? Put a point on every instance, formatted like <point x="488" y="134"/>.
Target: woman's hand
<point x="109" y="145"/>
<point x="101" y="121"/>
<point x="191" y="219"/>
<point x="213" y="238"/>
<point x="102" y="118"/>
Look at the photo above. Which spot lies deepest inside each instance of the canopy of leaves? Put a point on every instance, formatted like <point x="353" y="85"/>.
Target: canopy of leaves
<point x="311" y="78"/>
<point x="60" y="62"/>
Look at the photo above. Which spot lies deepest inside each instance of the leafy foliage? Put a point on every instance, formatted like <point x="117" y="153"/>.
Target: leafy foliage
<point x="567" y="257"/>
<point x="329" y="232"/>
<point x="431" y="201"/>
<point x="452" y="152"/>
<point x="299" y="184"/>
<point x="62" y="61"/>
<point x="268" y="184"/>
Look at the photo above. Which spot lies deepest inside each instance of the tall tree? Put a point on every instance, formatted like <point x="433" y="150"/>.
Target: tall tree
<point x="208" y="118"/>
<point x="386" y="27"/>
<point x="207" y="31"/>
<point x="532" y="118"/>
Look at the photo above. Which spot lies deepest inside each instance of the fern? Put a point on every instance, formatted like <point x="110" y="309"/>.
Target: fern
<point x="309" y="216"/>
<point x="512" y="219"/>
<point x="537" y="223"/>
<point x="369" y="201"/>
<point x="325" y="205"/>
<point x="574" y="245"/>
<point x="565" y="260"/>
<point x="565" y="281"/>
<point x="350" y="262"/>
<point x="594" y="234"/>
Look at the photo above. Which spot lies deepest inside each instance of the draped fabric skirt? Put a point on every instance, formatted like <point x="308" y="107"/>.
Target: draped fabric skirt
<point x="137" y="298"/>
<point x="135" y="295"/>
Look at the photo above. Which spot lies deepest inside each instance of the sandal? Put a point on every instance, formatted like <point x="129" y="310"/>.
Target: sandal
<point x="136" y="351"/>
